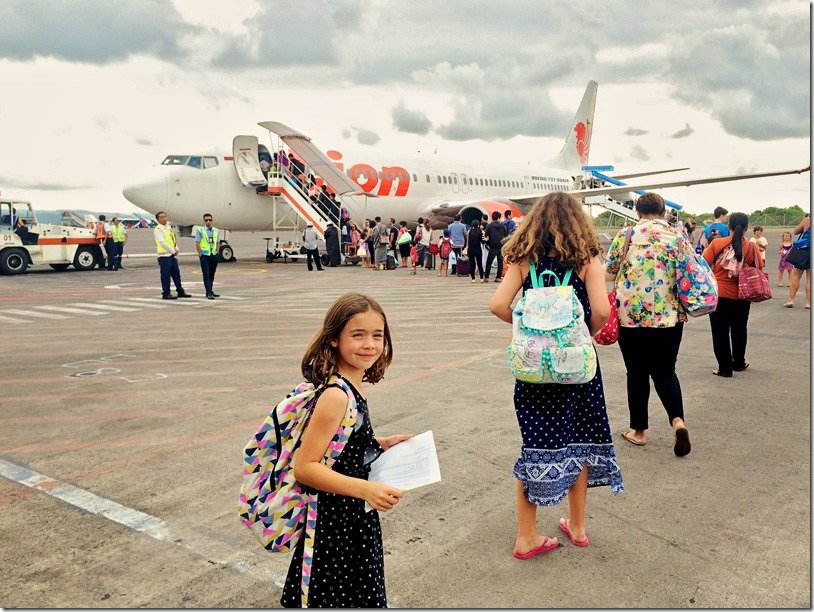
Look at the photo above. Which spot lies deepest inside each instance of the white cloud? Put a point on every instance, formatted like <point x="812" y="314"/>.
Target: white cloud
<point x="114" y="86"/>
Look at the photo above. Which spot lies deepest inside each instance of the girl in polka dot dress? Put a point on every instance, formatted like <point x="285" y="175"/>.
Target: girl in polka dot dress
<point x="567" y="445"/>
<point x="348" y="560"/>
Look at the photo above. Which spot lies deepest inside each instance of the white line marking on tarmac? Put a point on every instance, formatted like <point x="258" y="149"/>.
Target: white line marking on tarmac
<point x="104" y="307"/>
<point x="123" y="303"/>
<point x="231" y="297"/>
<point x="259" y="565"/>
<point x="135" y="520"/>
<point x="12" y="320"/>
<point x="31" y="313"/>
<point x="71" y="310"/>
<point x="160" y="300"/>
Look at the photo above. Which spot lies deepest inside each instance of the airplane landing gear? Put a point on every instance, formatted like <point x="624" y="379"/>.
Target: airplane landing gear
<point x="226" y="253"/>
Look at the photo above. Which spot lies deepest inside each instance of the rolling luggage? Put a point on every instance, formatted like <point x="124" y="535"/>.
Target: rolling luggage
<point x="463" y="266"/>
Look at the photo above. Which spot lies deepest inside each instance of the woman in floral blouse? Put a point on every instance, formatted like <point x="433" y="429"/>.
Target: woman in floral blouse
<point x="651" y="319"/>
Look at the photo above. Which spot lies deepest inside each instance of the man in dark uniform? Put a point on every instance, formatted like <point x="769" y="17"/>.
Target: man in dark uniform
<point x="332" y="244"/>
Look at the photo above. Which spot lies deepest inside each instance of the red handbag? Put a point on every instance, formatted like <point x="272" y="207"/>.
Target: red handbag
<point x="753" y="285"/>
<point x="610" y="331"/>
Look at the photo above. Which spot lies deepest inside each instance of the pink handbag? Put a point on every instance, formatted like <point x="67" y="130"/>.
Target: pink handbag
<point x="753" y="285"/>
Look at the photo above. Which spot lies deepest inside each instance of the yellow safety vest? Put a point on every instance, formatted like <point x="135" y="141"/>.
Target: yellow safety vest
<point x="205" y="245"/>
<point x="117" y="232"/>
<point x="169" y="238"/>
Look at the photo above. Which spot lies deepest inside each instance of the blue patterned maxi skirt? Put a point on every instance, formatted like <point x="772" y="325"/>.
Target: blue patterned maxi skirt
<point x="564" y="428"/>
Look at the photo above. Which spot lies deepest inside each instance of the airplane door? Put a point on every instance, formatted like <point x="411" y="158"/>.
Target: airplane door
<point x="247" y="161"/>
<point x="464" y="183"/>
<point x="455" y="185"/>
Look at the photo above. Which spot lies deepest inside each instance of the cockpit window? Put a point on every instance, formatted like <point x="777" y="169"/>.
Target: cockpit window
<point x="175" y="160"/>
<point x="194" y="162"/>
<point x="210" y="162"/>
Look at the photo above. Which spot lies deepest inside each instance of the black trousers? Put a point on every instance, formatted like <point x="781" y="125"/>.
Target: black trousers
<point x="475" y="258"/>
<point x="729" y="322"/>
<point x="209" y="263"/>
<point x="490" y="258"/>
<point x="110" y="249"/>
<point x="651" y="352"/>
<point x="169" y="270"/>
<point x="118" y="250"/>
<point x="312" y="254"/>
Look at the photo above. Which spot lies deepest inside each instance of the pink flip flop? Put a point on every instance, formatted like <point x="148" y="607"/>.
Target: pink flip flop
<point x="567" y="532"/>
<point x="546" y="546"/>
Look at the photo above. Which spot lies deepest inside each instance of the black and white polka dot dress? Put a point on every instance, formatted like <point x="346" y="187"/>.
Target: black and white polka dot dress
<point x="564" y="427"/>
<point x="348" y="565"/>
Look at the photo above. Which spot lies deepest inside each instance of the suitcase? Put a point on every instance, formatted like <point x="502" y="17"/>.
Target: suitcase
<point x="463" y="266"/>
<point x="391" y="263"/>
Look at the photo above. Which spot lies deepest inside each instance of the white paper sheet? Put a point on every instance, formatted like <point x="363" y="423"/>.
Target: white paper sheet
<point x="409" y="464"/>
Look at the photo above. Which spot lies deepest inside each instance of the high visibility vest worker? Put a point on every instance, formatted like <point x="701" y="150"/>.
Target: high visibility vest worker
<point x="169" y="238"/>
<point x="208" y="248"/>
<point x="117" y="232"/>
<point x="100" y="230"/>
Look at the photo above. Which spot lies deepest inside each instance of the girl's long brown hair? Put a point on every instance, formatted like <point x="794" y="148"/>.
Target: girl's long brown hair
<point x="555" y="226"/>
<point x="321" y="359"/>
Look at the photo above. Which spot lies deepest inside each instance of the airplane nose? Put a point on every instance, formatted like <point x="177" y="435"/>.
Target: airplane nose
<point x="149" y="194"/>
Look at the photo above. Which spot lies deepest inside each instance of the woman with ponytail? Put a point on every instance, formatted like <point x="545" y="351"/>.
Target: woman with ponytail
<point x="729" y="320"/>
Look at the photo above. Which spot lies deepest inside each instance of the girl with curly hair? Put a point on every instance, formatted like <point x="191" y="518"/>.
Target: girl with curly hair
<point x="567" y="444"/>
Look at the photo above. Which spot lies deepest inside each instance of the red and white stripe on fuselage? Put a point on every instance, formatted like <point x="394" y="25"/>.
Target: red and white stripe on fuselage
<point x="65" y="240"/>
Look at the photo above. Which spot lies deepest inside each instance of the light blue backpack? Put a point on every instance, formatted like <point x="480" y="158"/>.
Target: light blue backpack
<point x="551" y="342"/>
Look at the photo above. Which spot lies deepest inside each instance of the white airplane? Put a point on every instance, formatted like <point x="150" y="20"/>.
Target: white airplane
<point x="241" y="197"/>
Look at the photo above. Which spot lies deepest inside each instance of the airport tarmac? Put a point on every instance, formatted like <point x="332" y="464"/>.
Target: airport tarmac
<point x="124" y="417"/>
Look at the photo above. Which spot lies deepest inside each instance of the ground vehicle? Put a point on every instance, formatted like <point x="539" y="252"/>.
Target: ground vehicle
<point x="25" y="242"/>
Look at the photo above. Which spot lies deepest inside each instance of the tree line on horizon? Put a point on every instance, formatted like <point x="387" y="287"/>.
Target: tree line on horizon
<point x="771" y="216"/>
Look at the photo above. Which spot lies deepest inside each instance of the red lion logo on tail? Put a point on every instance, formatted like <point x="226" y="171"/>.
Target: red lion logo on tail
<point x="583" y="135"/>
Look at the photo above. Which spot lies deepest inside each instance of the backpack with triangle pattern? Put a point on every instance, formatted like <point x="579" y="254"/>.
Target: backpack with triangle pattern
<point x="277" y="509"/>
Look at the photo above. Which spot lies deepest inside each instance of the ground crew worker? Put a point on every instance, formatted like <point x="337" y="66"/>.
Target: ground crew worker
<point x="102" y="237"/>
<point x="166" y="244"/>
<point x="119" y="236"/>
<point x="206" y="241"/>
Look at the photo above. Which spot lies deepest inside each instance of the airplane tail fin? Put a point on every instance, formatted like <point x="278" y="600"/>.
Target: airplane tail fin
<point x="574" y="153"/>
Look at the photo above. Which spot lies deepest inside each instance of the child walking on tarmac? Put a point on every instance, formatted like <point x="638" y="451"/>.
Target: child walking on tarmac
<point x="348" y="559"/>
<point x="567" y="443"/>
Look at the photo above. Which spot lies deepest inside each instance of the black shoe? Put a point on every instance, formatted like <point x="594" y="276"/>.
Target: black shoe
<point x="722" y="374"/>
<point x="741" y="368"/>
<point x="168" y="297"/>
<point x="210" y="296"/>
<point x="215" y="294"/>
<point x="184" y="295"/>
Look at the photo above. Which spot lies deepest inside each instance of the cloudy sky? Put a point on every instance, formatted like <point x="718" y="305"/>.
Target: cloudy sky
<point x="94" y="92"/>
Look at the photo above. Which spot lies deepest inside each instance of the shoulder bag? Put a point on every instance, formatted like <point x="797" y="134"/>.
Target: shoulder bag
<point x="609" y="333"/>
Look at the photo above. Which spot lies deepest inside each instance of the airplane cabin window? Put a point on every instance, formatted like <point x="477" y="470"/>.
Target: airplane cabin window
<point x="445" y="180"/>
<point x="415" y="178"/>
<point x="194" y="162"/>
<point x="210" y="162"/>
<point x="455" y="179"/>
<point x="380" y="176"/>
<point x="439" y="179"/>
<point x="428" y="178"/>
<point x="175" y="160"/>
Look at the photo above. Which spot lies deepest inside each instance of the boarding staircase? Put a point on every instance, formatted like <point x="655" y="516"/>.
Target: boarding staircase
<point x="290" y="197"/>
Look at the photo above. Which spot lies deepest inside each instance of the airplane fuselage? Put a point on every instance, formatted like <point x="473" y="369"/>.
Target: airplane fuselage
<point x="404" y="191"/>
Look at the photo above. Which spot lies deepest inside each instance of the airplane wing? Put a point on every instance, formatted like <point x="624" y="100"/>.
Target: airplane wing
<point x="616" y="189"/>
<point x="620" y="177"/>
